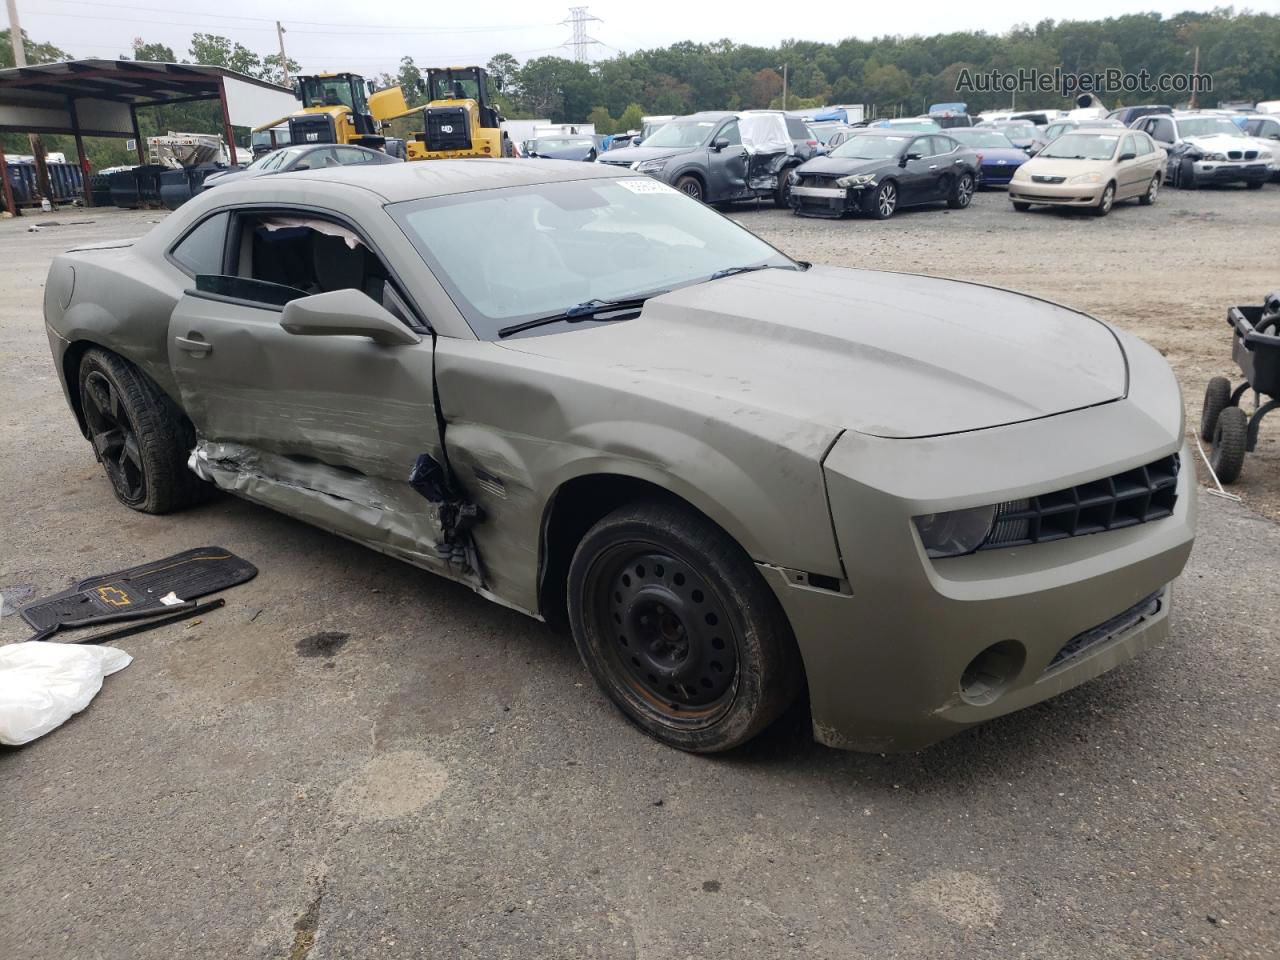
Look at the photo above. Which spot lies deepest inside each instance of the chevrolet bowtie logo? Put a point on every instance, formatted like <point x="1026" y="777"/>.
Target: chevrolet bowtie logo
<point x="114" y="596"/>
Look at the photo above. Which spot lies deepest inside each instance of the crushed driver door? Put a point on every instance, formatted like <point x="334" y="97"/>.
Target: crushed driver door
<point x="324" y="428"/>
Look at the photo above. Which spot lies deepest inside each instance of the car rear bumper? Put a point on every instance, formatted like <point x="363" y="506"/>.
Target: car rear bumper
<point x="891" y="657"/>
<point x="1057" y="194"/>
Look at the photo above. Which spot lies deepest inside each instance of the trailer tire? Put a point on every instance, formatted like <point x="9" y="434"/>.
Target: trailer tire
<point x="1217" y="397"/>
<point x="1229" y="439"/>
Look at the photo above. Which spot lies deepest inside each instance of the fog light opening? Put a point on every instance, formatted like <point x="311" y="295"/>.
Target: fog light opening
<point x="990" y="673"/>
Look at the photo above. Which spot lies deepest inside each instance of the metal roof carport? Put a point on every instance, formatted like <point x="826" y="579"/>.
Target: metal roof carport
<point x="100" y="98"/>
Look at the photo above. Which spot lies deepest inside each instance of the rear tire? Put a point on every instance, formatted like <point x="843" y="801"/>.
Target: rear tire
<point x="961" y="192"/>
<point x="782" y="194"/>
<point x="1229" y="438"/>
<point x="1153" y="189"/>
<point x="139" y="435"/>
<point x="677" y="626"/>
<point x="1217" y="397"/>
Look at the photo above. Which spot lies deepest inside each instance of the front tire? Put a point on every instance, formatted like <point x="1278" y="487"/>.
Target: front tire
<point x="1106" y="201"/>
<point x="138" y="434"/>
<point x="961" y="192"/>
<point x="1254" y="184"/>
<point x="884" y="202"/>
<point x="1021" y="207"/>
<point x="691" y="186"/>
<point x="677" y="626"/>
<point x="782" y="195"/>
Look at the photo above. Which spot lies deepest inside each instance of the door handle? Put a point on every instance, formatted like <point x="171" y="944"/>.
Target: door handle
<point x="193" y="346"/>
<point x="933" y="166"/>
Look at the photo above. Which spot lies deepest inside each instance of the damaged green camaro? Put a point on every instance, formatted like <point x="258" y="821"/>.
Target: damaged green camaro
<point x="593" y="399"/>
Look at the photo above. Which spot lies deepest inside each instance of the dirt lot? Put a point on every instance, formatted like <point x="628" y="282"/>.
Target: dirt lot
<point x="441" y="780"/>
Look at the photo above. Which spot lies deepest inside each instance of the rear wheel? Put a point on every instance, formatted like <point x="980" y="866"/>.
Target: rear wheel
<point x="1229" y="438"/>
<point x="1106" y="201"/>
<point x="676" y="625"/>
<point x="1153" y="188"/>
<point x="690" y="185"/>
<point x="1217" y="397"/>
<point x="884" y="201"/>
<point x="961" y="192"/>
<point x="782" y="194"/>
<point x="138" y="434"/>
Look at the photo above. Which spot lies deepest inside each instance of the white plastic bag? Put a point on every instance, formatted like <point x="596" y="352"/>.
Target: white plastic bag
<point x="42" y="684"/>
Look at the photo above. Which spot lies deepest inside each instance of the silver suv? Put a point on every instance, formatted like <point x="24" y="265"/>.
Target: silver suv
<point x="1207" y="148"/>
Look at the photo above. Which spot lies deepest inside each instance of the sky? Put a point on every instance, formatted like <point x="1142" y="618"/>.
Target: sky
<point x="324" y="35"/>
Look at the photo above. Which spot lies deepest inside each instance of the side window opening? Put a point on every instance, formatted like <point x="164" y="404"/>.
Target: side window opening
<point x="200" y="251"/>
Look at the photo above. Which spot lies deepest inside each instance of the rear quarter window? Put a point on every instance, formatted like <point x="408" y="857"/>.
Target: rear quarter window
<point x="200" y="251"/>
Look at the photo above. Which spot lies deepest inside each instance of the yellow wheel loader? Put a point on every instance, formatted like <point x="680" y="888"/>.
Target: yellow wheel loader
<point x="338" y="108"/>
<point x="460" y="119"/>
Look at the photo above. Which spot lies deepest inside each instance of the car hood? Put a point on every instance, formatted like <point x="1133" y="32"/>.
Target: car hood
<point x="637" y="154"/>
<point x="568" y="153"/>
<point x="830" y="166"/>
<point x="1063" y="166"/>
<point x="995" y="154"/>
<point x="891" y="355"/>
<point x="1221" y="142"/>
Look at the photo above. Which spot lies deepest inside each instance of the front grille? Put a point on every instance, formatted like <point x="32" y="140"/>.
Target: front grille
<point x="1042" y="179"/>
<point x="1112" y="503"/>
<point x="1145" y="608"/>
<point x="818" y="181"/>
<point x="447" y="129"/>
<point x="617" y="163"/>
<point x="1251" y="154"/>
<point x="1233" y="154"/>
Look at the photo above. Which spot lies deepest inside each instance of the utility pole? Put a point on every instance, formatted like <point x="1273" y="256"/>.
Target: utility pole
<point x="284" y="58"/>
<point x="1195" y="68"/>
<point x="784" y="86"/>
<point x="20" y="60"/>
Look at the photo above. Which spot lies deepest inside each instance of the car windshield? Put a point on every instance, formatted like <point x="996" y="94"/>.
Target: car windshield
<point x="266" y="160"/>
<point x="571" y="242"/>
<point x="681" y="133"/>
<point x="1023" y="131"/>
<point x="1082" y="146"/>
<point x="825" y="131"/>
<point x="867" y="147"/>
<point x="982" y="138"/>
<point x="1208" y="127"/>
<point x="562" y="143"/>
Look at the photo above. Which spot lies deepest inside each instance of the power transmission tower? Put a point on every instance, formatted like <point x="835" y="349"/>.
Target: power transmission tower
<point x="578" y="19"/>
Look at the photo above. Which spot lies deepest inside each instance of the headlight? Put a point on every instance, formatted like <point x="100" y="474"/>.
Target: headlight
<point x="648" y="166"/>
<point x="1086" y="178"/>
<point x="955" y="532"/>
<point x="857" y="180"/>
<point x="1217" y="157"/>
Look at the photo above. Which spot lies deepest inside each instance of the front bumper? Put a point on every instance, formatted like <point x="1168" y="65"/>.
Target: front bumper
<point x="827" y="201"/>
<point x="1217" y="172"/>
<point x="886" y="656"/>
<point x="1057" y="194"/>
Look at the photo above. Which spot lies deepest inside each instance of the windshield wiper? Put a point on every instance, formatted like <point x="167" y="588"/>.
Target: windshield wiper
<point x="588" y="310"/>
<point x="733" y="271"/>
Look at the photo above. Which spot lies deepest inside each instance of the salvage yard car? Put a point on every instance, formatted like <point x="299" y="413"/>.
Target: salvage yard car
<point x="719" y="157"/>
<point x="998" y="158"/>
<point x="1207" y="148"/>
<point x="1091" y="168"/>
<point x="735" y="475"/>
<point x="882" y="169"/>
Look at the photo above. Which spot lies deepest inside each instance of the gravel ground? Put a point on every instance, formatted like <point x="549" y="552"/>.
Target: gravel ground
<point x="438" y="778"/>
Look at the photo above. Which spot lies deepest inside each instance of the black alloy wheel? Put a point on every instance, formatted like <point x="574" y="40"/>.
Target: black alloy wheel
<point x="114" y="438"/>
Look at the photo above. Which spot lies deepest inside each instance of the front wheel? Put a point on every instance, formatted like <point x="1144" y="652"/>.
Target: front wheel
<point x="961" y="192"/>
<point x="782" y="194"/>
<point x="677" y="626"/>
<point x="884" y="201"/>
<point x="1020" y="206"/>
<point x="1254" y="184"/>
<point x="1153" y="189"/>
<point x="690" y="185"/>
<point x="1106" y="201"/>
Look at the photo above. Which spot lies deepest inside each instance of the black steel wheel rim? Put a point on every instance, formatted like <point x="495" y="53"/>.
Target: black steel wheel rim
<point x="666" y="635"/>
<point x="114" y="437"/>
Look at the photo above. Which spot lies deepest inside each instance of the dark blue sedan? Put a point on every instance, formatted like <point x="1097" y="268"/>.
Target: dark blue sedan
<point x="997" y="156"/>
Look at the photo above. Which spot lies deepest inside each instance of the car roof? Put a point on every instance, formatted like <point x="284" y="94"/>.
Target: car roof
<point x="395" y="182"/>
<point x="894" y="132"/>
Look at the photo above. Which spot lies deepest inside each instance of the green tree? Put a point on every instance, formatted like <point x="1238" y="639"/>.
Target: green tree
<point x="632" y="118"/>
<point x="36" y="52"/>
<point x="153" y="52"/>
<point x="603" y="121"/>
<point x="504" y="68"/>
<point x="216" y="51"/>
<point x="765" y="85"/>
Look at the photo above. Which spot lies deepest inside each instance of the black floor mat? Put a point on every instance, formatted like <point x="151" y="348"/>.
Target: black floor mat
<point x="137" y="591"/>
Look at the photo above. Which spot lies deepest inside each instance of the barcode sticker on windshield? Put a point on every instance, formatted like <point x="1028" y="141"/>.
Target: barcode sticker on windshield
<point x="645" y="185"/>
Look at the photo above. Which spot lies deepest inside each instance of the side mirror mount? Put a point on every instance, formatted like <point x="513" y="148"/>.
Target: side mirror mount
<point x="1126" y="156"/>
<point x="719" y="144"/>
<point x="902" y="160"/>
<point x="636" y="141"/>
<point x="345" y="313"/>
